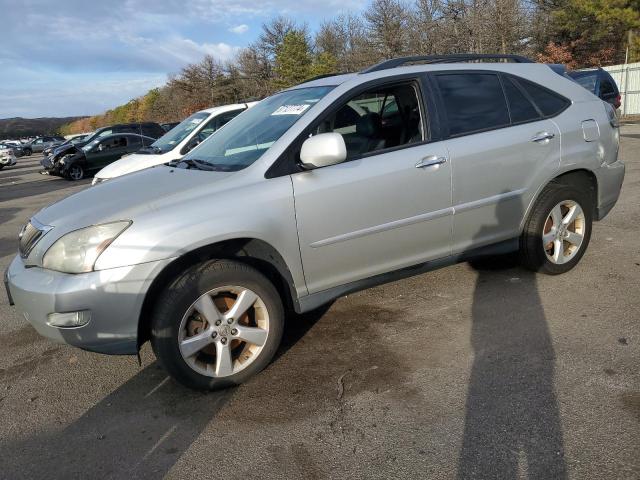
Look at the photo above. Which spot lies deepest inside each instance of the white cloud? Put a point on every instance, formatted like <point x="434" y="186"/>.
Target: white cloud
<point x="239" y="29"/>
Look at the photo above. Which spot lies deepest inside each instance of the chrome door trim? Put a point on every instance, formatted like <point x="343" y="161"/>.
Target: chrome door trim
<point x="463" y="207"/>
<point x="383" y="227"/>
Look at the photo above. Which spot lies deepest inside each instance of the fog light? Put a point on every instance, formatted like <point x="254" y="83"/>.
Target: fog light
<point x="70" y="319"/>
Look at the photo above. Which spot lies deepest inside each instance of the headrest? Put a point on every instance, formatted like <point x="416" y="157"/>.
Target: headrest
<point x="368" y="125"/>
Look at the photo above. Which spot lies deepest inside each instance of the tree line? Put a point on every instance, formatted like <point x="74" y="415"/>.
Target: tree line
<point x="578" y="33"/>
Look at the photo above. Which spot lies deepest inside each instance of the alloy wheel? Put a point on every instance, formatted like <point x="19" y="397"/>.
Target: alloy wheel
<point x="75" y="173"/>
<point x="223" y="331"/>
<point x="563" y="232"/>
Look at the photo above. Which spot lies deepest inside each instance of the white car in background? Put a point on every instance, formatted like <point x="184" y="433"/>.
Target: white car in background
<point x="7" y="157"/>
<point x="176" y="143"/>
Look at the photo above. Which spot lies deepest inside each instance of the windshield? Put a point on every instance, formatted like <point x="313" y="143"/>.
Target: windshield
<point x="250" y="134"/>
<point x="178" y="133"/>
<point x="78" y="139"/>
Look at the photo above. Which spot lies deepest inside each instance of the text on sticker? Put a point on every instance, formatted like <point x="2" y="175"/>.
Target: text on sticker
<point x="290" y="110"/>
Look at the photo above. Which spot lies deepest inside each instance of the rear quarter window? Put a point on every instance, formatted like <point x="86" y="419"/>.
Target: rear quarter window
<point x="520" y="107"/>
<point x="548" y="102"/>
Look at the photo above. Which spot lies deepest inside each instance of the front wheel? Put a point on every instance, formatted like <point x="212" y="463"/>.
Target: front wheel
<point x="75" y="172"/>
<point x="558" y="230"/>
<point x="217" y="325"/>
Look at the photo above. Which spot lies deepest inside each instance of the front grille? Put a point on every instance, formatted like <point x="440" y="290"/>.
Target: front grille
<point x="29" y="236"/>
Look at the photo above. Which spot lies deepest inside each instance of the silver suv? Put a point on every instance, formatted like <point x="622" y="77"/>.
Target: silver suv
<point x="329" y="187"/>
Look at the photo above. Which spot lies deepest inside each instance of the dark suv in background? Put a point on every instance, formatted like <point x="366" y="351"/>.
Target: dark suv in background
<point x="146" y="129"/>
<point x="600" y="83"/>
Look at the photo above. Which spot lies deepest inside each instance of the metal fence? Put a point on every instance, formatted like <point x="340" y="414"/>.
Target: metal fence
<point x="628" y="79"/>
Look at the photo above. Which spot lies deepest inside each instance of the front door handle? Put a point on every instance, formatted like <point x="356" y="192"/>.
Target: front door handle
<point x="431" y="161"/>
<point x="542" y="136"/>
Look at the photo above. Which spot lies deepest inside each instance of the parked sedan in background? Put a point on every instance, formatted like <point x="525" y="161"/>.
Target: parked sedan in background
<point x="17" y="148"/>
<point x="177" y="142"/>
<point x="7" y="156"/>
<point x="99" y="153"/>
<point x="40" y="143"/>
<point x="600" y="83"/>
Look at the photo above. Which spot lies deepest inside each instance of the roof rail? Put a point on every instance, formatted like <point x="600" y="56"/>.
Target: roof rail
<point x="451" y="58"/>
<point x="323" y="75"/>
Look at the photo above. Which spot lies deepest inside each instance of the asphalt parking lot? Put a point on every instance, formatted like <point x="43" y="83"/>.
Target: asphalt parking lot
<point x="483" y="371"/>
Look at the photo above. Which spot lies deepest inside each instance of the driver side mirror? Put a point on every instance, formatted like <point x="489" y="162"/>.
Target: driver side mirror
<point x="101" y="147"/>
<point x="323" y="150"/>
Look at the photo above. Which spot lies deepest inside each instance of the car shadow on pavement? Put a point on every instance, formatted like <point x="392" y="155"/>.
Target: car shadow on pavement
<point x="36" y="187"/>
<point x="512" y="426"/>
<point x="138" y="431"/>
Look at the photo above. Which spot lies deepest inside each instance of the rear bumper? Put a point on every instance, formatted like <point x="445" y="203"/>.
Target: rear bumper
<point x="610" y="178"/>
<point x="114" y="297"/>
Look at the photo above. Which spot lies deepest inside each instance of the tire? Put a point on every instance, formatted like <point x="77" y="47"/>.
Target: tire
<point x="75" y="172"/>
<point x="562" y="248"/>
<point x="28" y="152"/>
<point x="177" y="320"/>
<point x="1" y="166"/>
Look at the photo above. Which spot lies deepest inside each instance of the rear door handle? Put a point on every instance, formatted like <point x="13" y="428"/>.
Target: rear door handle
<point x="542" y="136"/>
<point x="431" y="161"/>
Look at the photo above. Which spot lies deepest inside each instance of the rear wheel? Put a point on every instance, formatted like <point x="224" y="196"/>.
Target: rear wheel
<point x="558" y="230"/>
<point x="217" y="325"/>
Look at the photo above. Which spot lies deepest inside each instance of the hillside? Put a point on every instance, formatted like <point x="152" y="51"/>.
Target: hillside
<point x="24" y="127"/>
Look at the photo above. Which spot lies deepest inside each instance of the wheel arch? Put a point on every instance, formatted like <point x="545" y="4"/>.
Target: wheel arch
<point x="576" y="177"/>
<point x="254" y="252"/>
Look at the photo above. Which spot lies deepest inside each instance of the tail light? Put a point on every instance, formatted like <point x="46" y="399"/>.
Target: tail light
<point x="618" y="101"/>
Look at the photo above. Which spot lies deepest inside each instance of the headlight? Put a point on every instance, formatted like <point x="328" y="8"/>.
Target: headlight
<point x="77" y="251"/>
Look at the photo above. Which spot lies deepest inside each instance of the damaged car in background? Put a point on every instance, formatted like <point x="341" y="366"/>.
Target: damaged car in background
<point x="98" y="154"/>
<point x="147" y="129"/>
<point x="72" y="141"/>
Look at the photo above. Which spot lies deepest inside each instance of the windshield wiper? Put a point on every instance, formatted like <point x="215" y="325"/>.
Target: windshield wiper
<point x="191" y="163"/>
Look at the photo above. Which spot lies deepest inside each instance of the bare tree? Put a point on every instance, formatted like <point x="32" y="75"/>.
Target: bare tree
<point x="388" y="25"/>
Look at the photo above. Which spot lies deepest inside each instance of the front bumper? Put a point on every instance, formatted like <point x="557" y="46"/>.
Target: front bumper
<point x="114" y="297"/>
<point x="8" y="161"/>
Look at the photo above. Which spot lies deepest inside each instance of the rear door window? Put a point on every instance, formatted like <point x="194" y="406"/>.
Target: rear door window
<point x="473" y="102"/>
<point x="134" y="141"/>
<point x="548" y="102"/>
<point x="520" y="108"/>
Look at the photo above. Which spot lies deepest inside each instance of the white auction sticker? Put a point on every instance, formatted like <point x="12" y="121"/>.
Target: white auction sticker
<point x="291" y="110"/>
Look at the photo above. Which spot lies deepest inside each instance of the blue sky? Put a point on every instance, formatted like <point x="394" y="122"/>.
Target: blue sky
<point x="79" y="57"/>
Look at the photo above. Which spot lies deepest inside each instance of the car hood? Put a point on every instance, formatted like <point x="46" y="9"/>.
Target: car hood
<point x="133" y="163"/>
<point x="129" y="197"/>
<point x="65" y="150"/>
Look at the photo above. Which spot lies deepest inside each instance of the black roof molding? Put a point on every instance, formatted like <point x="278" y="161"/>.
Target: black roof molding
<point x="452" y="58"/>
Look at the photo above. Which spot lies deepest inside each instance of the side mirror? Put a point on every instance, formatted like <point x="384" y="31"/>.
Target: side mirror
<point x="101" y="147"/>
<point x="323" y="150"/>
